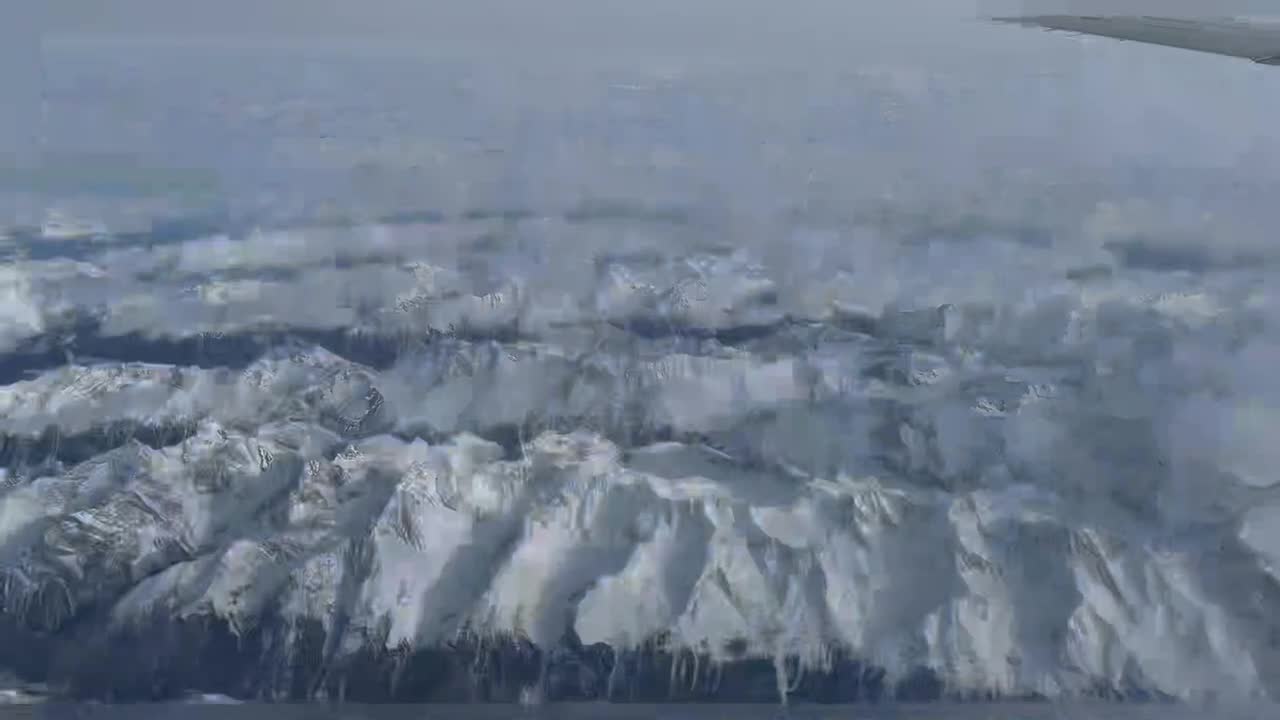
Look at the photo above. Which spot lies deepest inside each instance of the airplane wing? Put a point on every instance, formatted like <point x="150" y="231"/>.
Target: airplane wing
<point x="1259" y="42"/>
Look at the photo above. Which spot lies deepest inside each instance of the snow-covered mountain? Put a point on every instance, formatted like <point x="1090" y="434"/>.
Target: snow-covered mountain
<point x="964" y="500"/>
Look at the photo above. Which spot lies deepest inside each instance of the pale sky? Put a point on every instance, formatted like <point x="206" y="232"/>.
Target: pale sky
<point x="400" y="17"/>
<point x="793" y="32"/>
<point x="433" y="18"/>
<point x="806" y="35"/>
<point x="581" y="31"/>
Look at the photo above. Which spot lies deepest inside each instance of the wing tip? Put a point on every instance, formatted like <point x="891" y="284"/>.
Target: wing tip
<point x="1047" y="22"/>
<point x="1011" y="20"/>
<point x="1043" y="19"/>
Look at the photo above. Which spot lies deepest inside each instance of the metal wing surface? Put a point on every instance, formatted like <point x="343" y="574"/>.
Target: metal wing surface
<point x="1256" y="41"/>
